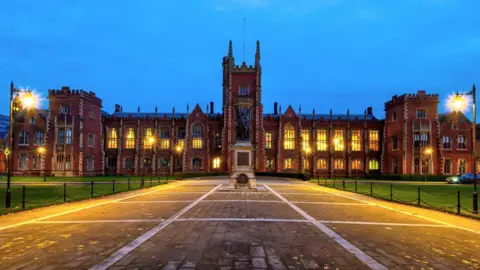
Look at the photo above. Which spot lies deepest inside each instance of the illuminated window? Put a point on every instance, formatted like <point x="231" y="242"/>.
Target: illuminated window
<point x="197" y="141"/>
<point x="164" y="143"/>
<point x="196" y="163"/>
<point x="373" y="140"/>
<point x="181" y="143"/>
<point x="270" y="165"/>
<point x="373" y="164"/>
<point x="338" y="164"/>
<point x="288" y="163"/>
<point x="218" y="141"/>
<point x="268" y="140"/>
<point x="289" y="138"/>
<point x="112" y="138"/>
<point x="462" y="166"/>
<point x="130" y="138"/>
<point x="356" y="140"/>
<point x="147" y="138"/>
<point x="305" y="140"/>
<point x="356" y="164"/>
<point x="306" y="164"/>
<point x="447" y="166"/>
<point x="338" y="140"/>
<point x="461" y="142"/>
<point x="216" y="163"/>
<point x="322" y="164"/>
<point x="322" y="140"/>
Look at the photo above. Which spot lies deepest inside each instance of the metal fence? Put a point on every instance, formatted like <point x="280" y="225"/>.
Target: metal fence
<point x="28" y="196"/>
<point x="446" y="198"/>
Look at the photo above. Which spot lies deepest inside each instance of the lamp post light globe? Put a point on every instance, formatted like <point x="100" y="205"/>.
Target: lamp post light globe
<point x="41" y="150"/>
<point x="428" y="151"/>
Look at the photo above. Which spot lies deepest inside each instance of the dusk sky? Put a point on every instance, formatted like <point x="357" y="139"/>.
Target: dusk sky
<point x="322" y="54"/>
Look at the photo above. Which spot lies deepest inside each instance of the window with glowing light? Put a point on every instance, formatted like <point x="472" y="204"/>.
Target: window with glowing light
<point x="461" y="166"/>
<point x="130" y="139"/>
<point x="356" y="140"/>
<point x="218" y="141"/>
<point x="23" y="138"/>
<point x="288" y="163"/>
<point x="447" y="142"/>
<point x="461" y="142"/>
<point x="23" y="161"/>
<point x="270" y="165"/>
<point x="306" y="164"/>
<point x="447" y="166"/>
<point x="338" y="140"/>
<point x="421" y="113"/>
<point x="373" y="164"/>
<point x="306" y="140"/>
<point x="112" y="138"/>
<point x="197" y="141"/>
<point x="356" y="164"/>
<point x="322" y="164"/>
<point x="38" y="140"/>
<point x="181" y="144"/>
<point x="268" y="140"/>
<point x="338" y="164"/>
<point x="147" y="138"/>
<point x="373" y="140"/>
<point x="216" y="163"/>
<point x="165" y="143"/>
<point x="321" y="140"/>
<point x="288" y="138"/>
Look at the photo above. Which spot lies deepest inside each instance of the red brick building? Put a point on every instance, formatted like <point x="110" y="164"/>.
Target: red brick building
<point x="81" y="139"/>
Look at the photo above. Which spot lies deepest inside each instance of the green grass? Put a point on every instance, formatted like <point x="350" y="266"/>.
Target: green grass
<point x="45" y="195"/>
<point x="440" y="197"/>
<point x="3" y="179"/>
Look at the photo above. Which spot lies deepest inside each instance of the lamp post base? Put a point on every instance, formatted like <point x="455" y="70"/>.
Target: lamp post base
<point x="475" y="202"/>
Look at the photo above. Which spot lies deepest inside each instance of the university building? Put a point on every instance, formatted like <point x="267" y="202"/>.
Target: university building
<point x="81" y="139"/>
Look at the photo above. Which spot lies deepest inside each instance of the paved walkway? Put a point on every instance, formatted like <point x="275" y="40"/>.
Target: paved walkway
<point x="197" y="225"/>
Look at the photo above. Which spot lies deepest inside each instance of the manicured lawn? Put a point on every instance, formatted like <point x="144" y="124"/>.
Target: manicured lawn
<point x="44" y="195"/>
<point x="3" y="179"/>
<point x="440" y="197"/>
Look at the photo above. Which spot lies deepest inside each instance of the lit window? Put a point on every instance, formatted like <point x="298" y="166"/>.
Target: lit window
<point x="289" y="138"/>
<point x="147" y="139"/>
<point x="270" y="165"/>
<point x="356" y="140"/>
<point x="91" y="140"/>
<point x="373" y="140"/>
<point x="181" y="144"/>
<point x="216" y="163"/>
<point x="164" y="143"/>
<point x="356" y="164"/>
<point x="462" y="166"/>
<point x="197" y="141"/>
<point x="305" y="140"/>
<point x="306" y="164"/>
<point x="338" y="140"/>
<point x="112" y="138"/>
<point x="196" y="162"/>
<point x="130" y="139"/>
<point x="218" y="141"/>
<point x="38" y="138"/>
<point x="23" y="138"/>
<point x="268" y="140"/>
<point x="373" y="164"/>
<point x="461" y="142"/>
<point x="338" y="164"/>
<point x="322" y="164"/>
<point x="288" y="163"/>
<point x="322" y="140"/>
<point x="421" y="113"/>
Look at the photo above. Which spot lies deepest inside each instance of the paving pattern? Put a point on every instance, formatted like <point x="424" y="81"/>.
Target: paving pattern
<point x="196" y="225"/>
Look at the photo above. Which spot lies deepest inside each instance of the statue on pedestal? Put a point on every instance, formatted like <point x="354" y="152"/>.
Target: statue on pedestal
<point x="242" y="127"/>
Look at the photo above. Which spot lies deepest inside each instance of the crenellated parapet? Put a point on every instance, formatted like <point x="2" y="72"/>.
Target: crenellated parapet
<point x="244" y="68"/>
<point x="79" y="93"/>
<point x="420" y="95"/>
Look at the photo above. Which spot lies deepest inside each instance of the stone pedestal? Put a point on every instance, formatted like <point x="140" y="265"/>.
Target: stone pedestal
<point x="243" y="175"/>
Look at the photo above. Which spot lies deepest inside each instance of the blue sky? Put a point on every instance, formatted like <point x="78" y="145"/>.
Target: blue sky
<point x="322" y="54"/>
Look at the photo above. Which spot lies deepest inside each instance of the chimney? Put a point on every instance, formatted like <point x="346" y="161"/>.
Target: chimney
<point x="211" y="107"/>
<point x="369" y="111"/>
<point x="275" y="108"/>
<point x="117" y="108"/>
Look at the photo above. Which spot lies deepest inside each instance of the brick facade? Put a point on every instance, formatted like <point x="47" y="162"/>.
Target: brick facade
<point x="83" y="140"/>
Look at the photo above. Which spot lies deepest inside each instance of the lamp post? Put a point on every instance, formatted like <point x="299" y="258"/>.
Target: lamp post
<point x="458" y="102"/>
<point x="307" y="151"/>
<point x="28" y="100"/>
<point x="428" y="151"/>
<point x="178" y="149"/>
<point x="42" y="150"/>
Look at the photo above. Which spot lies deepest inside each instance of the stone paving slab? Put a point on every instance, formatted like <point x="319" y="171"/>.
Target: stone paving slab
<point x="360" y="213"/>
<point x="415" y="248"/>
<point x="263" y="196"/>
<point x="239" y="245"/>
<point x="318" y="198"/>
<point x="167" y="197"/>
<point x="125" y="211"/>
<point x="64" y="246"/>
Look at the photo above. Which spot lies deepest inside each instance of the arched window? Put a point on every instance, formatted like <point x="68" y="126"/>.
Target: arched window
<point x="289" y="137"/>
<point x="356" y="164"/>
<point x="373" y="164"/>
<point x="196" y="162"/>
<point x="197" y="141"/>
<point x="216" y="163"/>
<point x="338" y="164"/>
<point x="322" y="163"/>
<point x="163" y="162"/>
<point x="306" y="164"/>
<point x="147" y="162"/>
<point x="288" y="163"/>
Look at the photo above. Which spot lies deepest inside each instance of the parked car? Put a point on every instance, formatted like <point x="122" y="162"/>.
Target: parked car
<point x="466" y="178"/>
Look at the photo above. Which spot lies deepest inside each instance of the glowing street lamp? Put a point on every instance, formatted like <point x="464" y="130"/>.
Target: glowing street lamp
<point x="459" y="103"/>
<point x="336" y="141"/>
<point x="428" y="151"/>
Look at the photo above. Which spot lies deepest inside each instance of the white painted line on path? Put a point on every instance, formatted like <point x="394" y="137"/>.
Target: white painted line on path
<point x="122" y="252"/>
<point x="140" y="202"/>
<point x="98" y="221"/>
<point x="243" y="219"/>
<point x="382" y="223"/>
<point x="333" y="203"/>
<point x="255" y="201"/>
<point x="362" y="256"/>
<point x="403" y="212"/>
<point x="84" y="208"/>
<point x="306" y="194"/>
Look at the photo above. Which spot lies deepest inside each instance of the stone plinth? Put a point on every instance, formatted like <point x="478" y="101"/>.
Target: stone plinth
<point x="243" y="175"/>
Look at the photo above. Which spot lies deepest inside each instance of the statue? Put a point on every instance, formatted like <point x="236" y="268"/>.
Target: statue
<point x="243" y="123"/>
